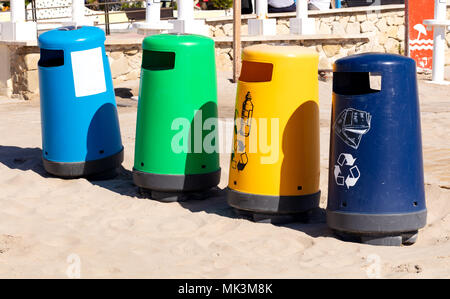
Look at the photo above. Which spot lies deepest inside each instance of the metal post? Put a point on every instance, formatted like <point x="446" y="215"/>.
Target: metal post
<point x="34" y="12"/>
<point x="302" y="9"/>
<point x="261" y="9"/>
<point x="107" y="28"/>
<point x="17" y="11"/>
<point x="185" y="9"/>
<point x="439" y="42"/>
<point x="77" y="12"/>
<point x="153" y="23"/>
<point x="407" y="28"/>
<point x="18" y="28"/>
<point x="185" y="22"/>
<point x="262" y="25"/>
<point x="439" y="25"/>
<point x="236" y="39"/>
<point x="301" y="24"/>
<point x="152" y="11"/>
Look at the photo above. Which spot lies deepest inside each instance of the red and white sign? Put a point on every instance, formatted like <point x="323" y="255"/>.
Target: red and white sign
<point x="420" y="39"/>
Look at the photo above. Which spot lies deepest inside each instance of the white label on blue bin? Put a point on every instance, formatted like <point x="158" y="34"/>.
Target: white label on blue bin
<point x="88" y="72"/>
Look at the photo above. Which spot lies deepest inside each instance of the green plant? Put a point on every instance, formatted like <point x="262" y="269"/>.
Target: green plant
<point x="93" y="4"/>
<point x="6" y="4"/>
<point x="222" y="4"/>
<point x="137" y="4"/>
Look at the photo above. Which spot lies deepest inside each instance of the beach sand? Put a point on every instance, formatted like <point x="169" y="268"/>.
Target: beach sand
<point x="47" y="224"/>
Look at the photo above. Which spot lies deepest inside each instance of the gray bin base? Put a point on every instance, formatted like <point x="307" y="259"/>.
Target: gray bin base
<point x="180" y="196"/>
<point x="101" y="169"/>
<point x="272" y="209"/>
<point x="377" y="229"/>
<point x="168" y="183"/>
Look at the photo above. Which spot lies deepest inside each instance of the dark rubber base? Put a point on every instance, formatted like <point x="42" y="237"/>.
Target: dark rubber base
<point x="96" y="170"/>
<point x="105" y="175"/>
<point x="179" y="196"/>
<point x="395" y="239"/>
<point x="176" y="183"/>
<point x="273" y="218"/>
<point x="377" y="229"/>
<point x="272" y="209"/>
<point x="376" y="223"/>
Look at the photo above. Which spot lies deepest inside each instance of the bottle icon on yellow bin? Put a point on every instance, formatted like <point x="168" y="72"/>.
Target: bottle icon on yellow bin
<point x="246" y="115"/>
<point x="239" y="158"/>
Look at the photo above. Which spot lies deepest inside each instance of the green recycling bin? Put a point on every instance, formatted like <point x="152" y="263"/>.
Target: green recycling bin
<point x="176" y="135"/>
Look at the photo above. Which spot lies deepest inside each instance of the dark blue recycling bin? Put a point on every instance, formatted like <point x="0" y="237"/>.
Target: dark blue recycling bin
<point x="376" y="186"/>
<point x="80" y="127"/>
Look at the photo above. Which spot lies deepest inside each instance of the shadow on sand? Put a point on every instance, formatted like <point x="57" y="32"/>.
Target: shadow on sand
<point x="26" y="159"/>
<point x="23" y="159"/>
<point x="214" y="202"/>
<point x="313" y="223"/>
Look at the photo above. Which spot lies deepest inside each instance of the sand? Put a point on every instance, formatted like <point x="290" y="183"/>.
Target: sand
<point x="51" y="227"/>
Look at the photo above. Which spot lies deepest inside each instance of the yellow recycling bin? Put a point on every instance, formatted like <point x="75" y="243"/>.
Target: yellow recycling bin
<point x="274" y="171"/>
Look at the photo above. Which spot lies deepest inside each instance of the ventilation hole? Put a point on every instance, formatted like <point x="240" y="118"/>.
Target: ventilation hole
<point x="299" y="187"/>
<point x="203" y="166"/>
<point x="415" y="204"/>
<point x="344" y="204"/>
<point x="356" y="83"/>
<point x="235" y="182"/>
<point x="256" y="71"/>
<point x="51" y="58"/>
<point x="142" y="164"/>
<point x="46" y="153"/>
<point x="102" y="152"/>
<point x="158" y="61"/>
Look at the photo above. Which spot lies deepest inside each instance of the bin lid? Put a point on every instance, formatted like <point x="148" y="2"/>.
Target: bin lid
<point x="373" y="62"/>
<point x="71" y="37"/>
<point x="172" y="42"/>
<point x="271" y="52"/>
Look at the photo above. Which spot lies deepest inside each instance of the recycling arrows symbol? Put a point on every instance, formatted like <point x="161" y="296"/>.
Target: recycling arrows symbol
<point x="354" y="174"/>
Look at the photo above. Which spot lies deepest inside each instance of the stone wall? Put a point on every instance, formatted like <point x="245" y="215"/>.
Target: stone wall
<point x="24" y="72"/>
<point x="125" y="62"/>
<point x="340" y="33"/>
<point x="329" y="50"/>
<point x="385" y="30"/>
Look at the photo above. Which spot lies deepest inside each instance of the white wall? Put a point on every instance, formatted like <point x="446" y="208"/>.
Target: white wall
<point x="55" y="12"/>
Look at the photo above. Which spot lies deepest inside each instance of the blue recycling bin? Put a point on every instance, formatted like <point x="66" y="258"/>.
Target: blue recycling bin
<point x="376" y="186"/>
<point x="80" y="127"/>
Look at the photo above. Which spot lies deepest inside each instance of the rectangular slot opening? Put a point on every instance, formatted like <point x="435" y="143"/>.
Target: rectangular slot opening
<point x="51" y="58"/>
<point x="158" y="61"/>
<point x="256" y="71"/>
<point x="356" y="83"/>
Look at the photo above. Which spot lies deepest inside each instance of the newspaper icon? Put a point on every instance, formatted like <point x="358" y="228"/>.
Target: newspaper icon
<point x="351" y="125"/>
